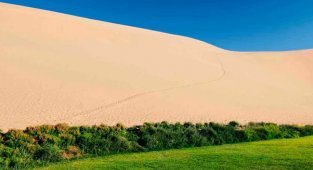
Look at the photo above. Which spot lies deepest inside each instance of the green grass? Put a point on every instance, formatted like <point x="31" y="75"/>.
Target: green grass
<point x="274" y="154"/>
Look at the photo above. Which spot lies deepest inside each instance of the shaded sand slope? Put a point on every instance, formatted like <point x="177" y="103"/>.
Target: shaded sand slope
<point x="60" y="68"/>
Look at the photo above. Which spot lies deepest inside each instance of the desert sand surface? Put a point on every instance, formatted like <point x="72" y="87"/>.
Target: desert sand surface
<point x="60" y="68"/>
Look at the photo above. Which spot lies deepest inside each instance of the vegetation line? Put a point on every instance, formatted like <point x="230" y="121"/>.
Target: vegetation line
<point x="47" y="143"/>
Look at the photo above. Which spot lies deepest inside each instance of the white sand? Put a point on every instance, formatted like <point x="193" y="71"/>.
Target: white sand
<point x="59" y="68"/>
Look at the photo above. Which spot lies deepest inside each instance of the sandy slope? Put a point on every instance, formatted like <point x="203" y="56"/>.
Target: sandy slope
<point x="60" y="68"/>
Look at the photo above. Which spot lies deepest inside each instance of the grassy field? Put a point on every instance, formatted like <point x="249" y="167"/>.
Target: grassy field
<point x="274" y="154"/>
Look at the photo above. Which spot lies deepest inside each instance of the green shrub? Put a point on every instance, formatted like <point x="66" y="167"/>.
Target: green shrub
<point x="48" y="153"/>
<point x="289" y="131"/>
<point x="193" y="138"/>
<point x="307" y="130"/>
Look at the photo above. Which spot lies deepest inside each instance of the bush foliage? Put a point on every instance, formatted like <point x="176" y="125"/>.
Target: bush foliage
<point x="47" y="143"/>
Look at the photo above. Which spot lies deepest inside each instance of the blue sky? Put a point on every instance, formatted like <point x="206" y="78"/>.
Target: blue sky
<point x="242" y="25"/>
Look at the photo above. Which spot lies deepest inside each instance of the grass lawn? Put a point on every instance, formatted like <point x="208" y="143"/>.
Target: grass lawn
<point x="273" y="154"/>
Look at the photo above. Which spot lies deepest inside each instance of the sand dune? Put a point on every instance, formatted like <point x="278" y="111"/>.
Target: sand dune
<point x="60" y="68"/>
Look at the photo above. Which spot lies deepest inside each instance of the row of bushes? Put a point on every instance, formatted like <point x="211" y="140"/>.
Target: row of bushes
<point x="47" y="143"/>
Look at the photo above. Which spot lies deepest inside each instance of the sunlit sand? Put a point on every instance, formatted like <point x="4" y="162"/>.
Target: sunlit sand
<point x="60" y="68"/>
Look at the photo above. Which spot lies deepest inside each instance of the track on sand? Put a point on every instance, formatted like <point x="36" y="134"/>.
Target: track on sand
<point x="126" y="99"/>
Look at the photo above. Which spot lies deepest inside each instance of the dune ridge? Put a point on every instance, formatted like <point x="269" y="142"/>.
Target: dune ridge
<point x="60" y="68"/>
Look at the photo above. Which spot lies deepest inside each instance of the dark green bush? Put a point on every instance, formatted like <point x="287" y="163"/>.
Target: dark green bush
<point x="43" y="144"/>
<point x="307" y="130"/>
<point x="289" y="131"/>
<point x="48" y="153"/>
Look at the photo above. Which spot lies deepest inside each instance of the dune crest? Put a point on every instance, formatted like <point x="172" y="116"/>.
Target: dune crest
<point x="60" y="68"/>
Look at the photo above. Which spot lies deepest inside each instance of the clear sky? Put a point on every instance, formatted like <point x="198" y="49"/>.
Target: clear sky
<point x="242" y="25"/>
